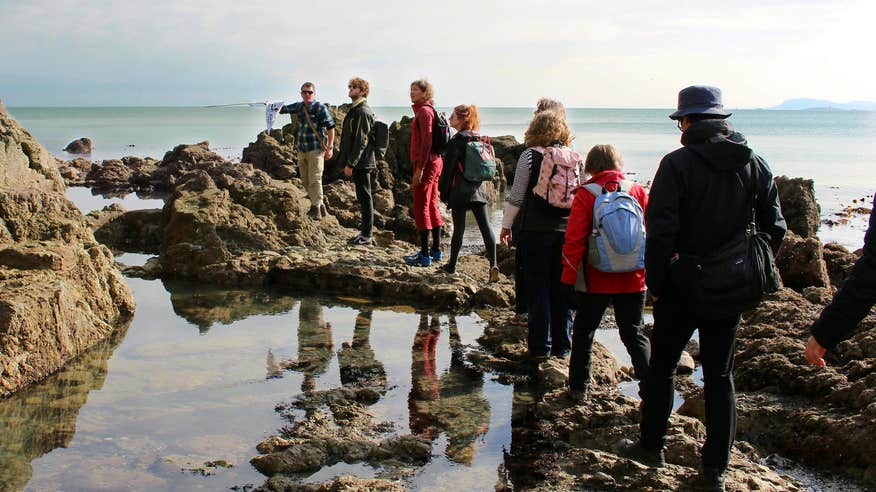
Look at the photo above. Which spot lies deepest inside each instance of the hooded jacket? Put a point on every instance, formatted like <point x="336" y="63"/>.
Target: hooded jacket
<point x="700" y="199"/>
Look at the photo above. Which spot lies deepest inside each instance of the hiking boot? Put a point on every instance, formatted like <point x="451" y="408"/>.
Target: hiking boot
<point x="419" y="260"/>
<point x="436" y="255"/>
<point x="634" y="450"/>
<point x="448" y="269"/>
<point x="323" y="212"/>
<point x="577" y="396"/>
<point x="313" y="213"/>
<point x="710" y="479"/>
<point x="494" y="274"/>
<point x="360" y="240"/>
<point x="411" y="257"/>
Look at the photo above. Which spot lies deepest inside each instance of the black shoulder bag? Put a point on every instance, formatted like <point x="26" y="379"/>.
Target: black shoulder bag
<point x="735" y="277"/>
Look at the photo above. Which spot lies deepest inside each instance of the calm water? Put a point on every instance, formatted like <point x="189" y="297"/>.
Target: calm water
<point x="836" y="149"/>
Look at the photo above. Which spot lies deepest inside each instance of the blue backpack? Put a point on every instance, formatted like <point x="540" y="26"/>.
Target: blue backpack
<point x="617" y="242"/>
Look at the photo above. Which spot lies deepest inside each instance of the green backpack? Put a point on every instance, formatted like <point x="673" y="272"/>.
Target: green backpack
<point x="480" y="160"/>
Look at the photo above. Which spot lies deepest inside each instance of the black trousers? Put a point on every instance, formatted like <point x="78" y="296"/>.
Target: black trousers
<point x="480" y="214"/>
<point x="628" y="313"/>
<point x="674" y="323"/>
<point x="363" y="180"/>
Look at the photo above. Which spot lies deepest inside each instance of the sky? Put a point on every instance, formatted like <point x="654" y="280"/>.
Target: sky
<point x="620" y="54"/>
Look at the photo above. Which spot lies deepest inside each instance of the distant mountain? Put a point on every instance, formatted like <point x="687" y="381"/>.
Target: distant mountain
<point x="823" y="104"/>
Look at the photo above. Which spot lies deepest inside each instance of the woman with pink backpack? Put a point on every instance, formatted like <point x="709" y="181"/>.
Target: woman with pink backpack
<point x="547" y="174"/>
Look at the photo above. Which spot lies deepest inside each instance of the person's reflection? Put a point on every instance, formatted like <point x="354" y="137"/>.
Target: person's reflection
<point x="315" y="346"/>
<point x="454" y="403"/>
<point x="356" y="359"/>
<point x="424" y="379"/>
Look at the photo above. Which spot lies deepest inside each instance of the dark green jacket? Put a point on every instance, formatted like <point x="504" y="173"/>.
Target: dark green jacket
<point x="356" y="150"/>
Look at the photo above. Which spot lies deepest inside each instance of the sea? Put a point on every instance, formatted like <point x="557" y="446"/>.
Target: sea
<point x="836" y="149"/>
<point x="179" y="399"/>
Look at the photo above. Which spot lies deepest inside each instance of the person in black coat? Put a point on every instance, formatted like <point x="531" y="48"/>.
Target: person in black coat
<point x="461" y="195"/>
<point x="850" y="305"/>
<point x="701" y="198"/>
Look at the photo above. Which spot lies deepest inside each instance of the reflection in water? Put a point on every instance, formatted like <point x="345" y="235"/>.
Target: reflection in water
<point x="204" y="306"/>
<point x="42" y="417"/>
<point x="356" y="359"/>
<point x="454" y="403"/>
<point x="315" y="343"/>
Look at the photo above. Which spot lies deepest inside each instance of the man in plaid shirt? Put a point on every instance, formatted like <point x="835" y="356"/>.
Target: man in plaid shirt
<point x="315" y="146"/>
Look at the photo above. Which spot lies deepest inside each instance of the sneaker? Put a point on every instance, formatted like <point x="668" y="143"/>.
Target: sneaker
<point x="494" y="274"/>
<point x="323" y="212"/>
<point x="411" y="257"/>
<point x="420" y="260"/>
<point x="313" y="213"/>
<point x="436" y="255"/>
<point x="360" y="240"/>
<point x="634" y="450"/>
<point x="448" y="269"/>
<point x="710" y="479"/>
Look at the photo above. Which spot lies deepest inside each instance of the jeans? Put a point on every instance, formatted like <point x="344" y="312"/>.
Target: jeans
<point x="480" y="214"/>
<point x="628" y="313"/>
<point x="674" y="323"/>
<point x="363" y="180"/>
<point x="550" y="319"/>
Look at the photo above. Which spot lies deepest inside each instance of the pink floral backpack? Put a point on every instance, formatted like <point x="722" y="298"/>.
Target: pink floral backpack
<point x="562" y="171"/>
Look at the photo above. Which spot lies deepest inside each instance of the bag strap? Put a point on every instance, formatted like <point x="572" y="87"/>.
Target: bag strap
<point x="322" y="144"/>
<point x="752" y="194"/>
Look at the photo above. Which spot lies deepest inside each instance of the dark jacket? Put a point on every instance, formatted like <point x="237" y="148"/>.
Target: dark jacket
<point x="700" y="200"/>
<point x="854" y="299"/>
<point x="455" y="190"/>
<point x="356" y="150"/>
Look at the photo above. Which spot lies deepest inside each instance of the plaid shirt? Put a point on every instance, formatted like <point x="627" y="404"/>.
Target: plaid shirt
<point x="307" y="141"/>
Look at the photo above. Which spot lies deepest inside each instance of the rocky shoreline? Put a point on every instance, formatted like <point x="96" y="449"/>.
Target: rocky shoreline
<point x="244" y="225"/>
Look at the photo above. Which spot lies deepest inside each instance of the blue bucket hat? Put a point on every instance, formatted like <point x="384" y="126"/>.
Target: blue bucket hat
<point x="699" y="99"/>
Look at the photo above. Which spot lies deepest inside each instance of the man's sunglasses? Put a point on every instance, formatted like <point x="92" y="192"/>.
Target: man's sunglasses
<point x="307" y="92"/>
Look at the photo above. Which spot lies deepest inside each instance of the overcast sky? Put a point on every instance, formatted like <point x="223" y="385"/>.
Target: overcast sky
<point x="491" y="53"/>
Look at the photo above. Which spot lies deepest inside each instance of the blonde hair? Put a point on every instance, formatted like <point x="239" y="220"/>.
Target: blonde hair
<point x="547" y="128"/>
<point x="603" y="158"/>
<point x="425" y="86"/>
<point x="545" y="104"/>
<point x="468" y="116"/>
<point x="360" y="83"/>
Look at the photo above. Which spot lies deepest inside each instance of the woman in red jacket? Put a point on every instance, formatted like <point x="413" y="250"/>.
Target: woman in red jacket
<point x="426" y="167"/>
<point x="625" y="291"/>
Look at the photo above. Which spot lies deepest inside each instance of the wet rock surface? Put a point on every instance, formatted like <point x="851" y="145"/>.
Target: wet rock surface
<point x="60" y="292"/>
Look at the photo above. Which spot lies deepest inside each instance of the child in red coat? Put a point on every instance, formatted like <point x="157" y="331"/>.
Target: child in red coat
<point x="625" y="291"/>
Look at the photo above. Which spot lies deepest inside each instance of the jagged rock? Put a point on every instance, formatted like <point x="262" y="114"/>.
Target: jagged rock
<point x="839" y="263"/>
<point x="135" y="231"/>
<point x="801" y="263"/>
<point x="280" y="483"/>
<point x="686" y="364"/>
<point x="82" y="145"/>
<point x="274" y="154"/>
<point x="801" y="211"/>
<point x="60" y="292"/>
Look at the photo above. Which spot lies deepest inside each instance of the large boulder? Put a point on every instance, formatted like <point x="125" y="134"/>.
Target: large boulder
<point x="801" y="211"/>
<point x="273" y="153"/>
<point x="60" y="292"/>
<point x="801" y="262"/>
<point x="82" y="145"/>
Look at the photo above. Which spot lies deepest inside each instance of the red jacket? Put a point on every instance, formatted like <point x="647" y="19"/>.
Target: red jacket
<point x="578" y="232"/>
<point x="422" y="156"/>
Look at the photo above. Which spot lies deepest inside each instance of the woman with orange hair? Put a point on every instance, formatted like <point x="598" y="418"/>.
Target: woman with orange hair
<point x="462" y="195"/>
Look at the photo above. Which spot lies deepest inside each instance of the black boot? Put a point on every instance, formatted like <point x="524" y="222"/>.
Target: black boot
<point x="710" y="479"/>
<point x="635" y="451"/>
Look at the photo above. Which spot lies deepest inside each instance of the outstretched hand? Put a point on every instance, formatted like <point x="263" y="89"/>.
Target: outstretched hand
<point x="815" y="352"/>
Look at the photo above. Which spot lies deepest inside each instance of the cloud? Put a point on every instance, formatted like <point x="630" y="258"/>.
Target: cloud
<point x="489" y="52"/>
